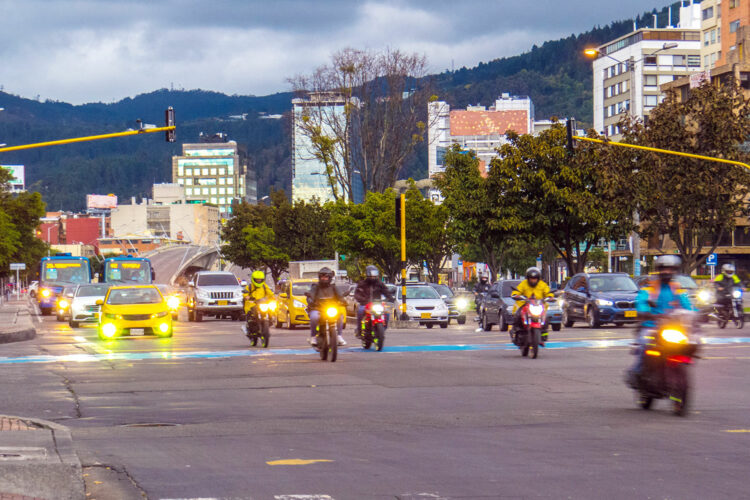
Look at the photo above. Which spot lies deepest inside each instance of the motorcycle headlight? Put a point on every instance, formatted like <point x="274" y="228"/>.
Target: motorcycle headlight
<point x="536" y="310"/>
<point x="674" y="336"/>
<point x="299" y="304"/>
<point x="332" y="312"/>
<point x="737" y="294"/>
<point x="377" y="308"/>
<point x="272" y="305"/>
<point x="263" y="307"/>
<point x="604" y="302"/>
<point x="173" y="302"/>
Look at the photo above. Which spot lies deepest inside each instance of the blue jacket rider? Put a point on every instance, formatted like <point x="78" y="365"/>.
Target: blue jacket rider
<point x="660" y="295"/>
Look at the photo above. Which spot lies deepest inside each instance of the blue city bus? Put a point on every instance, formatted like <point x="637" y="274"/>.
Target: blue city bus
<point x="128" y="270"/>
<point x="57" y="272"/>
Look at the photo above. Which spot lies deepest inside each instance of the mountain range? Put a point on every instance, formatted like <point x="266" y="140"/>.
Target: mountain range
<point x="555" y="75"/>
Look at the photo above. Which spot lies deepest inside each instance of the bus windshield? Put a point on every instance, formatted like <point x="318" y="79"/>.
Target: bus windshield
<point x="66" y="271"/>
<point x="129" y="271"/>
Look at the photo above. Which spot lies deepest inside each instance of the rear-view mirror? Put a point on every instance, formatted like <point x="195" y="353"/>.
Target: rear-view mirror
<point x="243" y="283"/>
<point x="99" y="302"/>
<point x="283" y="296"/>
<point x="191" y="284"/>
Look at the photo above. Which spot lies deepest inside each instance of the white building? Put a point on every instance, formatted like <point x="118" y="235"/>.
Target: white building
<point x="476" y="128"/>
<point x="628" y="71"/>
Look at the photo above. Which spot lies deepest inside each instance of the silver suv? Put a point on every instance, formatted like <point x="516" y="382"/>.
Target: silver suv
<point x="217" y="294"/>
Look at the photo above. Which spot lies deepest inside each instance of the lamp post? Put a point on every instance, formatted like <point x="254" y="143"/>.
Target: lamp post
<point x="592" y="52"/>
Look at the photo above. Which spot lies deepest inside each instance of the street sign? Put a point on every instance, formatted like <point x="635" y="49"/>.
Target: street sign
<point x="18" y="266"/>
<point x="712" y="259"/>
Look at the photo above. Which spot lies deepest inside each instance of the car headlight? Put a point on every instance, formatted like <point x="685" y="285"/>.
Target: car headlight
<point x="63" y="304"/>
<point x="674" y="336"/>
<point x="462" y="304"/>
<point x="201" y="294"/>
<point x="299" y="304"/>
<point x="45" y="292"/>
<point x="109" y="330"/>
<point x="536" y="310"/>
<point x="704" y="296"/>
<point x="159" y="314"/>
<point x="238" y="295"/>
<point x="604" y="302"/>
<point x="173" y="302"/>
<point x="737" y="294"/>
<point x="164" y="327"/>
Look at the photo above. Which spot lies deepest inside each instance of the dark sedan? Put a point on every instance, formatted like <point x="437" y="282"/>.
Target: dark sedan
<point x="599" y="298"/>
<point x="497" y="308"/>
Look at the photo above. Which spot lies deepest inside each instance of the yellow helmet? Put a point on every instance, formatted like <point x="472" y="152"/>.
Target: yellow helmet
<point x="258" y="278"/>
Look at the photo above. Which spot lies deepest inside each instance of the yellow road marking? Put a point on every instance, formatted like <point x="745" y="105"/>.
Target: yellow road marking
<point x="296" y="461"/>
<point x="737" y="431"/>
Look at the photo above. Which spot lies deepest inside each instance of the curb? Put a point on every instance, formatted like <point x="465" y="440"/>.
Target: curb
<point x="46" y="479"/>
<point x="22" y="331"/>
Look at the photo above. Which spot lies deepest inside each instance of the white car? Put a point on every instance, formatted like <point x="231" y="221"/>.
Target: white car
<point x="424" y="305"/>
<point x="83" y="308"/>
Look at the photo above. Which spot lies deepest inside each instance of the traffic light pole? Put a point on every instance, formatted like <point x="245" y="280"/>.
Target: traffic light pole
<point x="87" y="138"/>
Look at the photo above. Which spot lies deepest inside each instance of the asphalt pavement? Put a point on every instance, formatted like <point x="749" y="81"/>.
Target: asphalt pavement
<point x="454" y="413"/>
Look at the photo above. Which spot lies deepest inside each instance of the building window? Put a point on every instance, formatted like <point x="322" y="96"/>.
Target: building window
<point x="180" y="182"/>
<point x="189" y="191"/>
<point x="651" y="100"/>
<point x="713" y="36"/>
<point x="706" y="39"/>
<point x="213" y="191"/>
<point x="222" y="201"/>
<point x="230" y="190"/>
<point x="734" y="3"/>
<point x="734" y="26"/>
<point x="213" y="171"/>
<point x="705" y="61"/>
<point x="222" y="181"/>
<point x="222" y="171"/>
<point x="649" y="60"/>
<point x="694" y="61"/>
<point x="650" y="80"/>
<point x="188" y="182"/>
<point x="718" y="34"/>
<point x="188" y="172"/>
<point x="625" y="86"/>
<point x="678" y="60"/>
<point x="708" y="13"/>
<point x="204" y="190"/>
<point x="180" y="171"/>
<point x="222" y="190"/>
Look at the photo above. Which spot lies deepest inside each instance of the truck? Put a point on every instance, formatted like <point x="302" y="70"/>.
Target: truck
<point x="308" y="269"/>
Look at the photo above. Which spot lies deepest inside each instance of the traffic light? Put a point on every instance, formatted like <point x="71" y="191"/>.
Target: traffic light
<point x="171" y="135"/>
<point x="571" y="125"/>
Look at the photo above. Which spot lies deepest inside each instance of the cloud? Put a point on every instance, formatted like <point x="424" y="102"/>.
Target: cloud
<point x="86" y="50"/>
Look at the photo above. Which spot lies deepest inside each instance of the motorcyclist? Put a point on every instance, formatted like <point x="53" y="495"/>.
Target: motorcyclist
<point x="724" y="283"/>
<point x="532" y="288"/>
<point x="480" y="289"/>
<point x="255" y="291"/>
<point x="368" y="290"/>
<point x="658" y="296"/>
<point x="323" y="291"/>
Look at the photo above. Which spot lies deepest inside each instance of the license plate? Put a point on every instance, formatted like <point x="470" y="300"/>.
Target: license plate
<point x="631" y="314"/>
<point x="137" y="331"/>
<point x="223" y="302"/>
<point x="426" y="315"/>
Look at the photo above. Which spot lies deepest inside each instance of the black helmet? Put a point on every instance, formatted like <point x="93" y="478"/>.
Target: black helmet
<point x="325" y="275"/>
<point x="372" y="272"/>
<point x="533" y="273"/>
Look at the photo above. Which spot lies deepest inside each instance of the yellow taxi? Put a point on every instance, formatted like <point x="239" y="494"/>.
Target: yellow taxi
<point x="134" y="310"/>
<point x="292" y="303"/>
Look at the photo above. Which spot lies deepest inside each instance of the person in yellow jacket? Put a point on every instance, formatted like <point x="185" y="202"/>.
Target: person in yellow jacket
<point x="256" y="290"/>
<point x="532" y="288"/>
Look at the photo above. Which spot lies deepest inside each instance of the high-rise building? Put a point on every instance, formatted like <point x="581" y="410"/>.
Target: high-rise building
<point x="629" y="71"/>
<point x="309" y="177"/>
<point x="711" y="46"/>
<point x="476" y="128"/>
<point x="216" y="173"/>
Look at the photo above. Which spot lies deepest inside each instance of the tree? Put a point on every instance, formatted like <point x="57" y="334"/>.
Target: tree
<point x="472" y="205"/>
<point x="545" y="194"/>
<point x="378" y="120"/>
<point x="430" y="239"/>
<point x="262" y="250"/>
<point x="693" y="202"/>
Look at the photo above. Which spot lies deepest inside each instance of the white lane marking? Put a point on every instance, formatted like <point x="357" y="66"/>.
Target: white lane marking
<point x="303" y="497"/>
<point x="80" y="339"/>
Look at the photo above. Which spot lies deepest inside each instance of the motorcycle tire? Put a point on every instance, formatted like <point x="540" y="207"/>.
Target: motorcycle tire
<point x="379" y="339"/>
<point x="323" y="342"/>
<point x="536" y="337"/>
<point x="644" y="402"/>
<point x="524" y="344"/>
<point x="722" y="324"/>
<point x="678" y="391"/>
<point x="366" y="341"/>
<point x="333" y="343"/>
<point x="265" y="334"/>
<point x="739" y="322"/>
<point x="254" y="341"/>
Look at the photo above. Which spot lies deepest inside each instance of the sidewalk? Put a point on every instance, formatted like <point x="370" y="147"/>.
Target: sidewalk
<point x="16" y="321"/>
<point x="37" y="461"/>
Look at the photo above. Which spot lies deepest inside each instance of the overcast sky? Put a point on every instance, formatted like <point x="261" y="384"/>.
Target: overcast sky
<point x="104" y="50"/>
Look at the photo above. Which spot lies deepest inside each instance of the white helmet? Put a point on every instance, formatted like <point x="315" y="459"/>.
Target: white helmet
<point x="668" y="262"/>
<point x="727" y="269"/>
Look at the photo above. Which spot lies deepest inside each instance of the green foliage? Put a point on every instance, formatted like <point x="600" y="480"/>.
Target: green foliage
<point x="545" y="194"/>
<point x="693" y="202"/>
<point x="20" y="215"/>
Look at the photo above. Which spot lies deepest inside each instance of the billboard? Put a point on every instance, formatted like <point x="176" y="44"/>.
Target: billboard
<point x="18" y="182"/>
<point x="101" y="202"/>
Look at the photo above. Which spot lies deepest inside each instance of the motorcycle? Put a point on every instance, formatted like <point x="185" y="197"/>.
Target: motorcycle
<point x="668" y="351"/>
<point x="327" y="332"/>
<point x="533" y="321"/>
<point x="258" y="326"/>
<point x="373" y="326"/>
<point x="724" y="313"/>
